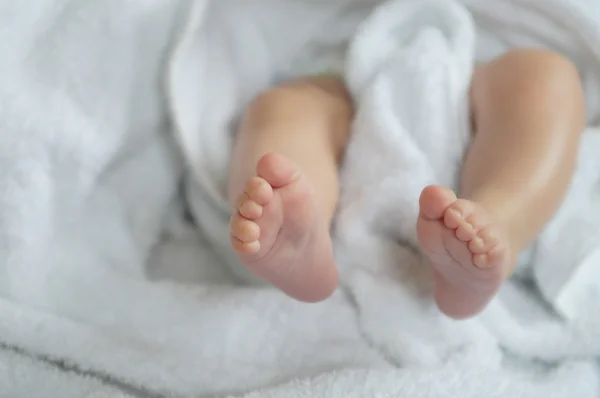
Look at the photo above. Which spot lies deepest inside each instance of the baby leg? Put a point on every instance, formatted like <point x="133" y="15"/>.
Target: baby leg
<point x="284" y="184"/>
<point x="528" y="113"/>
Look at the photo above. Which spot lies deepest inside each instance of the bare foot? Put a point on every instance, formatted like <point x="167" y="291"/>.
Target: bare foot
<point x="278" y="234"/>
<point x="470" y="254"/>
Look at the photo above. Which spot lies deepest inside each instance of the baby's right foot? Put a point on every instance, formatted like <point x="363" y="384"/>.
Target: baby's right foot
<point x="278" y="234"/>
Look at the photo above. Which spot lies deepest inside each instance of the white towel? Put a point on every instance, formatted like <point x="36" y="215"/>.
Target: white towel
<point x="411" y="131"/>
<point x="23" y="376"/>
<point x="104" y="285"/>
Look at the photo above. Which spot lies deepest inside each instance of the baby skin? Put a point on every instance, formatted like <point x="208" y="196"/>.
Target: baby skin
<point x="528" y="112"/>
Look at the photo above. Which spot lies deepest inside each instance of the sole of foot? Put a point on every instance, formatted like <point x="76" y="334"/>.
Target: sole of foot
<point x="468" y="251"/>
<point x="279" y="235"/>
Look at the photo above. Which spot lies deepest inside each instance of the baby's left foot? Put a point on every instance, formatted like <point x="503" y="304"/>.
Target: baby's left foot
<point x="470" y="254"/>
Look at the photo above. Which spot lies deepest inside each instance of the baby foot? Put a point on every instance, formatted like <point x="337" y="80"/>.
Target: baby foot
<point x="469" y="253"/>
<point x="278" y="234"/>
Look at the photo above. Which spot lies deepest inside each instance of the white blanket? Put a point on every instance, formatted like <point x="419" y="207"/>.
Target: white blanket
<point x="107" y="289"/>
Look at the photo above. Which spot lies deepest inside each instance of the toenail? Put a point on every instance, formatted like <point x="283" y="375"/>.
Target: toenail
<point x="478" y="242"/>
<point x="455" y="213"/>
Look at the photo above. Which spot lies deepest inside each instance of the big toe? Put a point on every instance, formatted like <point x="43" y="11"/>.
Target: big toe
<point x="434" y="201"/>
<point x="277" y="170"/>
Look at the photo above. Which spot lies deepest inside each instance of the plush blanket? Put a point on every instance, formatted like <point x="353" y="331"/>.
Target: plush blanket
<point x="116" y="278"/>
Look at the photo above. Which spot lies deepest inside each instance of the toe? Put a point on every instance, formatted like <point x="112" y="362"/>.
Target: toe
<point x="457" y="213"/>
<point x="245" y="247"/>
<point x="482" y="260"/>
<point x="490" y="259"/>
<point x="277" y="170"/>
<point x="466" y="232"/>
<point x="249" y="209"/>
<point x="259" y="191"/>
<point x="244" y="230"/>
<point x="434" y="201"/>
<point x="477" y="245"/>
<point x="486" y="240"/>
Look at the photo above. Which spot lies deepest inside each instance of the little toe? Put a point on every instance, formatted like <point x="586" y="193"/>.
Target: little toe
<point x="245" y="247"/>
<point x="277" y="170"/>
<point x="482" y="260"/>
<point x="245" y="230"/>
<point x="434" y="201"/>
<point x="259" y="191"/>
